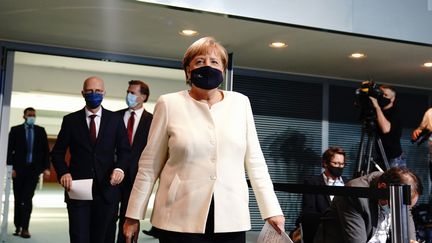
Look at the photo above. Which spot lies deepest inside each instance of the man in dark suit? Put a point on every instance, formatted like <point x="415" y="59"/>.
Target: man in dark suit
<point x="28" y="153"/>
<point x="99" y="150"/>
<point x="137" y="122"/>
<point x="314" y="205"/>
<point x="359" y="220"/>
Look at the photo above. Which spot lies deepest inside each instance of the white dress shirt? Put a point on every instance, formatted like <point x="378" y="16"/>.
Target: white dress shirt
<point x="332" y="182"/>
<point x="97" y="118"/>
<point x="138" y="114"/>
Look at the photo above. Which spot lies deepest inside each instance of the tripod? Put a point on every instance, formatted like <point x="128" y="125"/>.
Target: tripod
<point x="365" y="150"/>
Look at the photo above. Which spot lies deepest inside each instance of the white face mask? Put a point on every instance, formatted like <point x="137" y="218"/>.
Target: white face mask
<point x="131" y="100"/>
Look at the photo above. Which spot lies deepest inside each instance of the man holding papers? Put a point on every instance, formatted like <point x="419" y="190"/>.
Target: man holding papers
<point x="99" y="148"/>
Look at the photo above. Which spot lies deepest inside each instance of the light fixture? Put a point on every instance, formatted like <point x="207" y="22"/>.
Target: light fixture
<point x="188" y="32"/>
<point x="427" y="64"/>
<point x="278" y="44"/>
<point x="357" y="55"/>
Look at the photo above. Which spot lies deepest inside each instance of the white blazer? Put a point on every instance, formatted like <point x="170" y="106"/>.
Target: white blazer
<point x="198" y="152"/>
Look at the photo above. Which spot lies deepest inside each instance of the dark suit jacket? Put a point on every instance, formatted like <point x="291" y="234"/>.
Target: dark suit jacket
<point x="353" y="220"/>
<point x="139" y="142"/>
<point x="315" y="203"/>
<point x="87" y="161"/>
<point x="313" y="207"/>
<point x="17" y="149"/>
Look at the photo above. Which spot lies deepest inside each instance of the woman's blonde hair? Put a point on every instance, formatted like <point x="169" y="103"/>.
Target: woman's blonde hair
<point x="203" y="46"/>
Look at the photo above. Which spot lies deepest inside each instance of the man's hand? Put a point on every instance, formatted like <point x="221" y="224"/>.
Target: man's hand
<point x="46" y="174"/>
<point x="131" y="230"/>
<point x="116" y="177"/>
<point x="415" y="134"/>
<point x="374" y="102"/>
<point x="278" y="223"/>
<point x="66" y="181"/>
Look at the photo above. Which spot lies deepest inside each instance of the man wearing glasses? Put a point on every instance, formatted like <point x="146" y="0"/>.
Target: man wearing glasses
<point x="314" y="205"/>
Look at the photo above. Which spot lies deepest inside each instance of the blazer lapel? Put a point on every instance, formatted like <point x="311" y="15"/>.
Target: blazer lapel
<point x="140" y="128"/>
<point x="373" y="208"/>
<point x="22" y="134"/>
<point x="83" y="127"/>
<point x="103" y="122"/>
<point x="323" y="183"/>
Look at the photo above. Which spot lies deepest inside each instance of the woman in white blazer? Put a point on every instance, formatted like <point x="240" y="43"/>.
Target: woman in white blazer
<point x="201" y="144"/>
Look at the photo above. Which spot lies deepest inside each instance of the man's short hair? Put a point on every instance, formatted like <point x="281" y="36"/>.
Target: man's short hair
<point x="28" y="109"/>
<point x="330" y="152"/>
<point x="402" y="175"/>
<point x="144" y="89"/>
<point x="386" y="86"/>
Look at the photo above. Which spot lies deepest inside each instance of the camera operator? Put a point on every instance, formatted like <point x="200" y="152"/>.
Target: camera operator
<point x="389" y="126"/>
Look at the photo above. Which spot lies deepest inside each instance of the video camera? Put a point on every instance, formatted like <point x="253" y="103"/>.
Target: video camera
<point x="367" y="89"/>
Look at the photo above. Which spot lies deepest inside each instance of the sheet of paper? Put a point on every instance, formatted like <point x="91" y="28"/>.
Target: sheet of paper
<point x="269" y="235"/>
<point x="81" y="189"/>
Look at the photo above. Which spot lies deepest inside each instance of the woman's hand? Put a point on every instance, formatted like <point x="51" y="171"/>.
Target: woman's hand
<point x="278" y="223"/>
<point x="131" y="230"/>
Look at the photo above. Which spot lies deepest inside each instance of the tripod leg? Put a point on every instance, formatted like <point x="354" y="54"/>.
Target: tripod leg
<point x="383" y="154"/>
<point x="369" y="152"/>
<point x="360" y="156"/>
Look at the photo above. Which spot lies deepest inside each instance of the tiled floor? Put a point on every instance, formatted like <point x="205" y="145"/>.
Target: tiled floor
<point x="49" y="219"/>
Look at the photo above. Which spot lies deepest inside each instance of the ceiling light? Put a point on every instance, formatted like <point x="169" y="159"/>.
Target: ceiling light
<point x="188" y="32"/>
<point x="427" y="64"/>
<point x="357" y="55"/>
<point x="278" y="45"/>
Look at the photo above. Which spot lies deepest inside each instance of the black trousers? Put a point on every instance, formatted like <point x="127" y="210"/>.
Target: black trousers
<point x="24" y="185"/>
<point x="120" y="217"/>
<point x="90" y="221"/>
<point x="208" y="237"/>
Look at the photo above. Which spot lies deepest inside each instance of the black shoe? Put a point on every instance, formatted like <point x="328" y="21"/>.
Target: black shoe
<point x="152" y="232"/>
<point x="17" y="232"/>
<point x="25" y="234"/>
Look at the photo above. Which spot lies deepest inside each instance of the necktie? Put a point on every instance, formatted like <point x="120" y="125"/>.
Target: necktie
<point x="92" y="129"/>
<point x="29" y="144"/>
<point x="130" y="126"/>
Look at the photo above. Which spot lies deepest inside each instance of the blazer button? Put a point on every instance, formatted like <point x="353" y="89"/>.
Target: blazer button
<point x="213" y="177"/>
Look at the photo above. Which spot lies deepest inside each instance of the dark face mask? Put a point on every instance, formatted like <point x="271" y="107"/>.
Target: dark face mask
<point x="383" y="102"/>
<point x="206" y="77"/>
<point x="93" y="100"/>
<point x="335" y="171"/>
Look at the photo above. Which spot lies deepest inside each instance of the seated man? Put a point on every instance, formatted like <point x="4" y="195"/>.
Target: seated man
<point x="360" y="220"/>
<point x="314" y="205"/>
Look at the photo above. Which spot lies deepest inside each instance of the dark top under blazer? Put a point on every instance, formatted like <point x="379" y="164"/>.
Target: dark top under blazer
<point x="139" y="141"/>
<point x="110" y="151"/>
<point x="17" y="149"/>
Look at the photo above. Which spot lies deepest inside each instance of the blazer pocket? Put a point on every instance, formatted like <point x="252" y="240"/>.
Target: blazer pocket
<point x="173" y="189"/>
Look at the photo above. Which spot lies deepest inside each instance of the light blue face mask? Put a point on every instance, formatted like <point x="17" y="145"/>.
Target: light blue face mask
<point x="30" y="120"/>
<point x="131" y="100"/>
<point x="385" y="208"/>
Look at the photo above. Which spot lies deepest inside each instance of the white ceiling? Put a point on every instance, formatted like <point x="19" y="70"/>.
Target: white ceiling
<point x="134" y="28"/>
